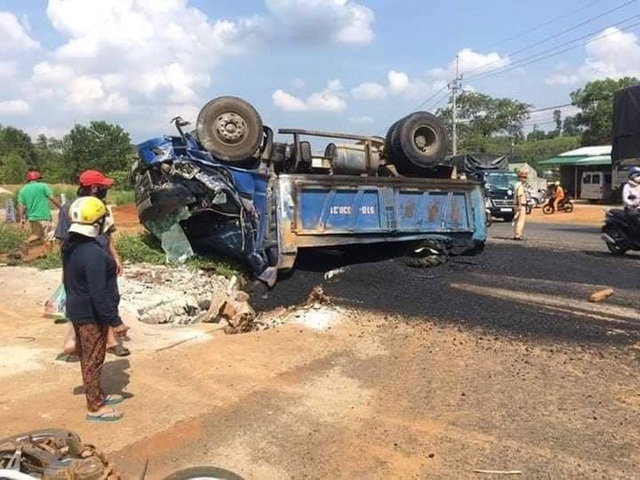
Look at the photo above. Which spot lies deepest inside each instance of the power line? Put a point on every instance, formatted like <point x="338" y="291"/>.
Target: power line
<point x="544" y="40"/>
<point x="550" y="108"/>
<point x="552" y="52"/>
<point x="542" y="25"/>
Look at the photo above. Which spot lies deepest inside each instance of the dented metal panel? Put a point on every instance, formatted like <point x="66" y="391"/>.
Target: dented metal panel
<point x="340" y="210"/>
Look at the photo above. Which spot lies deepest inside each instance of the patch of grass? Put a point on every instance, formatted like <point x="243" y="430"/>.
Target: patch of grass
<point x="47" y="262"/>
<point x="121" y="197"/>
<point x="227" y="267"/>
<point x="11" y="237"/>
<point x="146" y="248"/>
<point x="139" y="248"/>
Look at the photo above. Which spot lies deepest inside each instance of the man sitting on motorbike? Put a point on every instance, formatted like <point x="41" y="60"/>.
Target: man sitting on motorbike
<point x="558" y="196"/>
<point x="631" y="197"/>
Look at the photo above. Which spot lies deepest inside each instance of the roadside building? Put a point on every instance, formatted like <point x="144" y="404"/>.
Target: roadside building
<point x="581" y="165"/>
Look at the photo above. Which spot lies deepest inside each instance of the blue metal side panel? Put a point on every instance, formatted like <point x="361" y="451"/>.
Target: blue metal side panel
<point x="432" y="211"/>
<point x="331" y="210"/>
<point x="323" y="210"/>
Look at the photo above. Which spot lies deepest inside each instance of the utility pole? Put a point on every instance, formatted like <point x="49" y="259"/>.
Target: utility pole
<point x="455" y="87"/>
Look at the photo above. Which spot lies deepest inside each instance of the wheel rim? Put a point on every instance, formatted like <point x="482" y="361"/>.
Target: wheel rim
<point x="230" y="127"/>
<point x="425" y="140"/>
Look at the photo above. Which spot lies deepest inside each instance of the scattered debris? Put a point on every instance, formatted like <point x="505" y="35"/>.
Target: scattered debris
<point x="238" y="313"/>
<point x="317" y="295"/>
<point x="601" y="295"/>
<point x="333" y="273"/>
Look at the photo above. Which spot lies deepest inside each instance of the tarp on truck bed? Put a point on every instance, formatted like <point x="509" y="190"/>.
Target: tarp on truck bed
<point x="626" y="123"/>
<point x="474" y="163"/>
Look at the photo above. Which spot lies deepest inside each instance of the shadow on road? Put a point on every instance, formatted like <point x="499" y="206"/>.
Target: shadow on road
<point x="384" y="284"/>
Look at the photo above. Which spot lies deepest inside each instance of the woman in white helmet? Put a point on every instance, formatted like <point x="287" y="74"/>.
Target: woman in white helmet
<point x="90" y="282"/>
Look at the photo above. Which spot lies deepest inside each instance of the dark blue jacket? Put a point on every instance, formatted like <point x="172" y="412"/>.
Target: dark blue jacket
<point x="90" y="282"/>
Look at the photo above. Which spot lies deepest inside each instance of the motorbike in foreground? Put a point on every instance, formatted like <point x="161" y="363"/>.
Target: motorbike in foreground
<point x="619" y="232"/>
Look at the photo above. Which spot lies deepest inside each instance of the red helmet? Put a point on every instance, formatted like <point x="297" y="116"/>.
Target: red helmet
<point x="33" y="175"/>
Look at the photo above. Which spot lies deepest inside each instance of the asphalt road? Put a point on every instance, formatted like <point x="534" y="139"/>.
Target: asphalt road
<point x="570" y="236"/>
<point x="491" y="291"/>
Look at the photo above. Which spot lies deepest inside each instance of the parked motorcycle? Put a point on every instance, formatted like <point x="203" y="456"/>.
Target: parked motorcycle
<point x="539" y="197"/>
<point x="619" y="232"/>
<point x="565" y="206"/>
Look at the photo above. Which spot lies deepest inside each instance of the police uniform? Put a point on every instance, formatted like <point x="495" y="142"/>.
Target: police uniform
<point x="520" y="204"/>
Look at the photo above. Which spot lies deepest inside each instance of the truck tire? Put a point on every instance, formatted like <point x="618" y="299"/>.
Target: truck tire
<point x="430" y="253"/>
<point x="230" y="129"/>
<point x="203" y="473"/>
<point x="417" y="143"/>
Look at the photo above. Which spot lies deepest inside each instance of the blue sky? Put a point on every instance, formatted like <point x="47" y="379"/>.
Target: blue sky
<point x="319" y="64"/>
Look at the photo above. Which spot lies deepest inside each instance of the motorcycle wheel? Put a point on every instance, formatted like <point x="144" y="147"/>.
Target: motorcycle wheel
<point x="528" y="209"/>
<point x="204" y="473"/>
<point x="615" y="248"/>
<point x="568" y="208"/>
<point x="547" y="209"/>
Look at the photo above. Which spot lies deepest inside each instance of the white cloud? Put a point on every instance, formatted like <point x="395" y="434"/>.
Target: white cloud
<point x="14" y="107"/>
<point x="8" y="70"/>
<point x="470" y="62"/>
<point x="338" y="21"/>
<point x="14" y="35"/>
<point x="398" y="82"/>
<point x="434" y="81"/>
<point x="369" y="91"/>
<point x="362" y="120"/>
<point x="611" y="53"/>
<point x="331" y="99"/>
<point x="287" y="102"/>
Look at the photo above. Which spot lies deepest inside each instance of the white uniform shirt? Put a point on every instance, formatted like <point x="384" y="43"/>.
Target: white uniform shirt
<point x="631" y="194"/>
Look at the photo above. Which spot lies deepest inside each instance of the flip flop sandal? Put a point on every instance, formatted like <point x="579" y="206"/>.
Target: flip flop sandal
<point x="113" y="399"/>
<point x="119" y="351"/>
<point x="108" y="416"/>
<point x="63" y="357"/>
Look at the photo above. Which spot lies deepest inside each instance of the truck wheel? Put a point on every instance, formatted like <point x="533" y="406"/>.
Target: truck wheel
<point x="430" y="253"/>
<point x="203" y="473"/>
<point x="229" y="128"/>
<point x="418" y="143"/>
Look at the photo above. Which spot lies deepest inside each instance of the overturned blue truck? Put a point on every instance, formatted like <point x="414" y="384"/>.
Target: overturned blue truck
<point x="229" y="188"/>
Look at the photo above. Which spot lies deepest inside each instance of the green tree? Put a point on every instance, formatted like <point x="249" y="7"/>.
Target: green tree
<point x="595" y="101"/>
<point x="14" y="168"/>
<point x="101" y="145"/>
<point x="481" y="115"/>
<point x="50" y="152"/>
<point x="14" y="140"/>
<point x="533" y="152"/>
<point x="570" y="127"/>
<point x="536" y="134"/>
<point x="557" y="118"/>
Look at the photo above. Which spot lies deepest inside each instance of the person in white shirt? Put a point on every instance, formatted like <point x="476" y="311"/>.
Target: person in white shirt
<point x="631" y="197"/>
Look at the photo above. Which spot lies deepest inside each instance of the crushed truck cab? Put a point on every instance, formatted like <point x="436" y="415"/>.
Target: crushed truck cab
<point x="217" y="190"/>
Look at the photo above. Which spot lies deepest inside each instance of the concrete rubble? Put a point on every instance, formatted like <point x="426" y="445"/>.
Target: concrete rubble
<point x="156" y="295"/>
<point x="161" y="294"/>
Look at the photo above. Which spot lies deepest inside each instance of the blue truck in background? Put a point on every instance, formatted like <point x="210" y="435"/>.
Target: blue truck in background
<point x="228" y="188"/>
